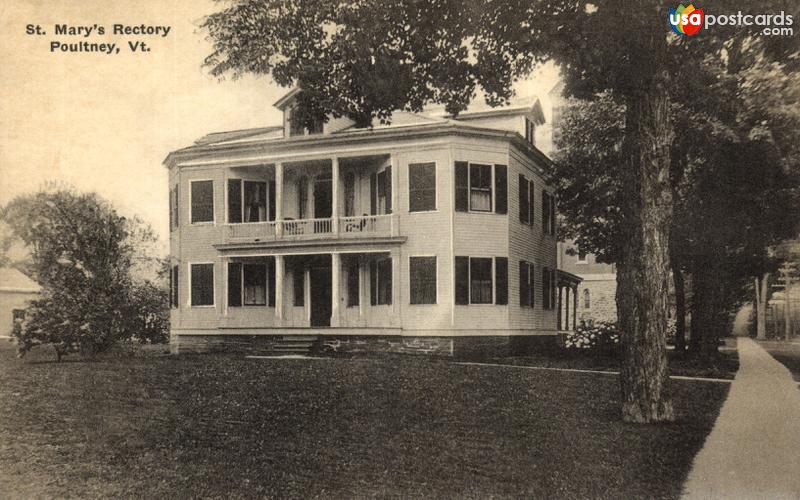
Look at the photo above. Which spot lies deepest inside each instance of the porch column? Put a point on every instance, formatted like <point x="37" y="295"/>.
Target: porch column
<point x="279" y="273"/>
<point x="574" y="308"/>
<point x="336" y="271"/>
<point x="560" y="310"/>
<point x="566" y="316"/>
<point x="279" y="199"/>
<point x="335" y="195"/>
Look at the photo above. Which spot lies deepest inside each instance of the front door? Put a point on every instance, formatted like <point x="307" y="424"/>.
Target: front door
<point x="321" y="296"/>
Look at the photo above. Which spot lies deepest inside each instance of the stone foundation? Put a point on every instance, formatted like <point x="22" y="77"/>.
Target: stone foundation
<point x="466" y="347"/>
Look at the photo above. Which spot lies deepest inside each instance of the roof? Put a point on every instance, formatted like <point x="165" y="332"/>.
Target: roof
<point x="217" y="137"/>
<point x="12" y="280"/>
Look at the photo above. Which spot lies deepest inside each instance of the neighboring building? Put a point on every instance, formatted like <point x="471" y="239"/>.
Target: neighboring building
<point x="596" y="294"/>
<point x="16" y="290"/>
<point x="431" y="234"/>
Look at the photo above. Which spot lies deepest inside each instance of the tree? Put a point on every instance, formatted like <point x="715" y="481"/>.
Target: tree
<point x="366" y="59"/>
<point x="82" y="254"/>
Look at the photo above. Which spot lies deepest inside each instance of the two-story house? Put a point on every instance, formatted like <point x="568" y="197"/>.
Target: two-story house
<point x="431" y="234"/>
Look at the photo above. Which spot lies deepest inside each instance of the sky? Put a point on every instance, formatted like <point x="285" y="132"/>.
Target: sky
<point x="105" y="123"/>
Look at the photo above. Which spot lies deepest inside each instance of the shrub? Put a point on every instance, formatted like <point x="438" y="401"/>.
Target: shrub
<point x="598" y="336"/>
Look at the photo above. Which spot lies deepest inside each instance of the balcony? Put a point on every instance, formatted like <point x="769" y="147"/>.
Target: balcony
<point x="356" y="227"/>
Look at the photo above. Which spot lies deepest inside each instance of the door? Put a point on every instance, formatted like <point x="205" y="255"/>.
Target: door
<point x="323" y="198"/>
<point x="321" y="296"/>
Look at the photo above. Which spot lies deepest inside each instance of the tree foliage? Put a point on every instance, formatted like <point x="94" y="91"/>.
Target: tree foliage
<point x="82" y="254"/>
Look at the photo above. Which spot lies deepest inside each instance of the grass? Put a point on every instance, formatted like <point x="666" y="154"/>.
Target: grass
<point x="787" y="353"/>
<point x="224" y="426"/>
<point x="724" y="366"/>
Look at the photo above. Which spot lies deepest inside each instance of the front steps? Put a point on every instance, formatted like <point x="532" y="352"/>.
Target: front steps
<point x="294" y="344"/>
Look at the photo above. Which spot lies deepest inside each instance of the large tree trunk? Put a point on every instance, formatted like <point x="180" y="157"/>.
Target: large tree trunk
<point x="680" y="308"/>
<point x="643" y="272"/>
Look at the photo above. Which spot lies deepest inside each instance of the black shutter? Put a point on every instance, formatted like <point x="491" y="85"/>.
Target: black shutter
<point x="272" y="200"/>
<point x="373" y="194"/>
<point x="388" y="279"/>
<point x="234" y="200"/>
<point x="531" y="285"/>
<point x="545" y="288"/>
<point x="531" y="202"/>
<point x="271" y="281"/>
<point x="462" y="280"/>
<point x="523" y="199"/>
<point x="501" y="280"/>
<point x="523" y="284"/>
<point x="545" y="212"/>
<point x="462" y="186"/>
<point x="177" y="207"/>
<point x="388" y="189"/>
<point x="373" y="282"/>
<point x="501" y="189"/>
<point x="234" y="284"/>
<point x="552" y="215"/>
<point x="175" y="285"/>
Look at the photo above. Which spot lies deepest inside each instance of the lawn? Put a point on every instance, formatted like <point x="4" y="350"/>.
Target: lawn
<point x="225" y="426"/>
<point x="724" y="366"/>
<point x="787" y="353"/>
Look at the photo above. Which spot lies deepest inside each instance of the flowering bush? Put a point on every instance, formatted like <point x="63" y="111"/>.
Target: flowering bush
<point x="598" y="336"/>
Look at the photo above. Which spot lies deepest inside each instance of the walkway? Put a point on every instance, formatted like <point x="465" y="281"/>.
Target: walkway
<point x="754" y="449"/>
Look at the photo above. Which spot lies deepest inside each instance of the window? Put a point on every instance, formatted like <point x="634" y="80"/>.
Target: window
<point x="474" y="189"/>
<point x="254" y="280"/>
<point x="480" y="188"/>
<point x="353" y="285"/>
<point x="380" y="192"/>
<point x="422" y="276"/>
<point x="530" y="131"/>
<point x="299" y="285"/>
<point x="295" y="126"/>
<point x="173" y="208"/>
<point x="381" y="281"/>
<point x="587" y="303"/>
<point x="581" y="258"/>
<point x="302" y="197"/>
<point x="255" y="201"/>
<point x="548" y="213"/>
<point x="480" y="280"/>
<point x="548" y="288"/>
<point x="202" y="201"/>
<point x="316" y="126"/>
<point x="174" y="286"/>
<point x="526" y="203"/>
<point x="349" y="194"/>
<point x="421" y="187"/>
<point x="526" y="284"/>
<point x="202" y="284"/>
<point x="17" y="315"/>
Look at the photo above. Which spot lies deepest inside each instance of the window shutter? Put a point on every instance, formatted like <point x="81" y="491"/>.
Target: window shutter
<point x="545" y="288"/>
<point x="462" y="186"/>
<point x="523" y="199"/>
<point x="546" y="211"/>
<point x="175" y="285"/>
<point x="234" y="284"/>
<point x="552" y="214"/>
<point x="177" y="207"/>
<point x="388" y="280"/>
<point x="462" y="280"/>
<point x="531" y="202"/>
<point x="373" y="282"/>
<point x="531" y="285"/>
<point x="501" y="189"/>
<point x="271" y="281"/>
<point x="234" y="200"/>
<point x="373" y="195"/>
<point x="271" y="195"/>
<point x="501" y="280"/>
<point x="388" y="190"/>
<point x="524" y="289"/>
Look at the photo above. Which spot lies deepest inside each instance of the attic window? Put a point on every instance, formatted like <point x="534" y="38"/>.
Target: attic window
<point x="530" y="130"/>
<point x="297" y="128"/>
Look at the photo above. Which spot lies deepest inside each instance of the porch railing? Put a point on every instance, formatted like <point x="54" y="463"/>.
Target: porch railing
<point x="307" y="228"/>
<point x="252" y="230"/>
<point x="301" y="229"/>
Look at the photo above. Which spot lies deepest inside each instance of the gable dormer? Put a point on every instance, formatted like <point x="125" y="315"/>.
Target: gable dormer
<point x="288" y="103"/>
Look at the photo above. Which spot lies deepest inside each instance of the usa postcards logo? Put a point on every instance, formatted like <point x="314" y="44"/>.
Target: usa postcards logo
<point x="686" y="21"/>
